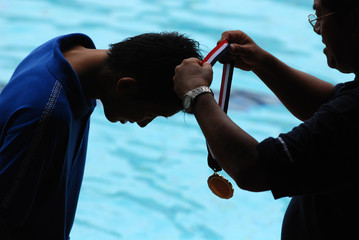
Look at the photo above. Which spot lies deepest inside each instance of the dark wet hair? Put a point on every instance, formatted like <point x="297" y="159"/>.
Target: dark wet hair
<point x="340" y="5"/>
<point x="151" y="58"/>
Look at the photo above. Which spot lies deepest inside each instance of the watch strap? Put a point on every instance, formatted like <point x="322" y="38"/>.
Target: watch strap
<point x="193" y="94"/>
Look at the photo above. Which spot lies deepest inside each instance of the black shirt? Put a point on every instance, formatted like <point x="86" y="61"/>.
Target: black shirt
<point x="316" y="165"/>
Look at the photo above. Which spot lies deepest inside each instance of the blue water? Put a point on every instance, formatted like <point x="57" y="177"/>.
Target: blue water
<point x="151" y="183"/>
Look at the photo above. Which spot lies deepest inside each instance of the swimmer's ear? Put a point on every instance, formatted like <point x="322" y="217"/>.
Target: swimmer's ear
<point x="126" y="83"/>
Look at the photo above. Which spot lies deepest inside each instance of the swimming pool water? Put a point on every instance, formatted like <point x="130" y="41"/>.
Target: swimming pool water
<point x="151" y="183"/>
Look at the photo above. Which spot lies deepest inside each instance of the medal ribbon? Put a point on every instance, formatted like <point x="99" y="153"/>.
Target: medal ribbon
<point x="224" y="93"/>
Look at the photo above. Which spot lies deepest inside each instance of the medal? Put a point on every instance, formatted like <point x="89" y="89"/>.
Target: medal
<point x="218" y="184"/>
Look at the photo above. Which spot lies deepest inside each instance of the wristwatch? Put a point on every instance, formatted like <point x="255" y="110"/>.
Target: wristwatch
<point x="190" y="97"/>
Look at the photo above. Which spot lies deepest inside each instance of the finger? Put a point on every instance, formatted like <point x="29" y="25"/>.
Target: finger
<point x="225" y="36"/>
<point x="190" y="61"/>
<point x="194" y="60"/>
<point x="237" y="49"/>
<point x="233" y="36"/>
<point x="207" y="66"/>
<point x="226" y="58"/>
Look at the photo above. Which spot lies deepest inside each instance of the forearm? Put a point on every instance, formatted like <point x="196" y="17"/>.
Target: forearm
<point x="301" y="93"/>
<point x="233" y="148"/>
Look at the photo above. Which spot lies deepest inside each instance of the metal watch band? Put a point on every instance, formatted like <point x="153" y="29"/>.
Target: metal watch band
<point x="189" y="97"/>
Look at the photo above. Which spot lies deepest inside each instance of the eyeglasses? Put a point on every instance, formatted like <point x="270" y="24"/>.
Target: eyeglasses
<point x="314" y="20"/>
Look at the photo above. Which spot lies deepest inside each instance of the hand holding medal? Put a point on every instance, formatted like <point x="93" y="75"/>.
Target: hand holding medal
<point x="218" y="184"/>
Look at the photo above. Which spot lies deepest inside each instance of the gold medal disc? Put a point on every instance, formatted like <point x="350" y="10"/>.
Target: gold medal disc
<point x="220" y="186"/>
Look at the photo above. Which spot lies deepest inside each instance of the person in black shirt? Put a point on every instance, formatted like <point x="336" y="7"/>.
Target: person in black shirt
<point x="316" y="162"/>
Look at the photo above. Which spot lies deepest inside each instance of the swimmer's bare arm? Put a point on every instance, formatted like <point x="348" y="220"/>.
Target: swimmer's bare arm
<point x="301" y="93"/>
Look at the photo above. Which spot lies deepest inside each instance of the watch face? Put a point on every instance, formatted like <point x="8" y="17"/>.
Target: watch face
<point x="186" y="102"/>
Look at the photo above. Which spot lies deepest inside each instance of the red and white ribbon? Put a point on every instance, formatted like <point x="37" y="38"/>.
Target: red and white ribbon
<point x="213" y="55"/>
<point x="225" y="90"/>
<point x="227" y="74"/>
